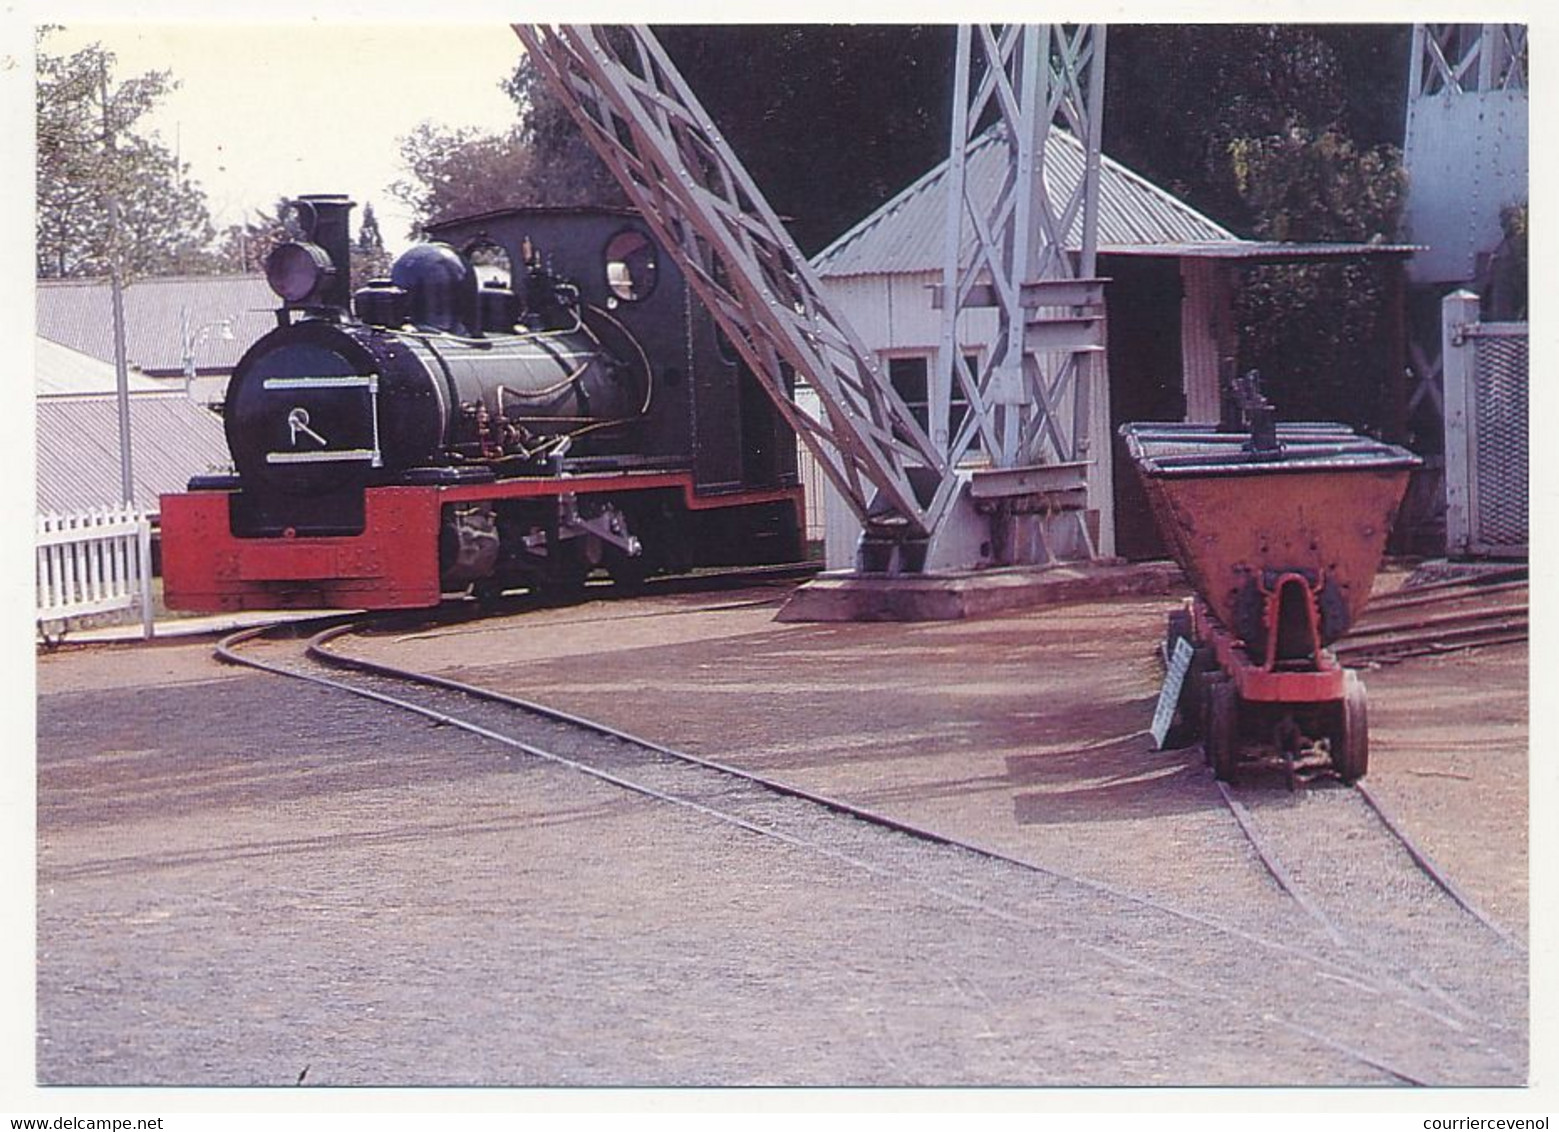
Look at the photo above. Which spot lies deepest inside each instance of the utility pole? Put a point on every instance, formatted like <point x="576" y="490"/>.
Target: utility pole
<point x="116" y="288"/>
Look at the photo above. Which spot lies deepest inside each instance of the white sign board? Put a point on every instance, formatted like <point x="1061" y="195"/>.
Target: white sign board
<point x="1169" y="695"/>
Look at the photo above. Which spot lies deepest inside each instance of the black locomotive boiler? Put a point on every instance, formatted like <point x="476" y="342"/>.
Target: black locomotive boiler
<point x="536" y="396"/>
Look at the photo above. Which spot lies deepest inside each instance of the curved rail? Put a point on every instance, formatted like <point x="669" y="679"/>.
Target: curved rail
<point x="1420" y="857"/>
<point x="319" y="652"/>
<point x="1272" y="862"/>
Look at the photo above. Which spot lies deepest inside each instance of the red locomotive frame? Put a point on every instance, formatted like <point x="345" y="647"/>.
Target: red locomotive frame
<point x="392" y="564"/>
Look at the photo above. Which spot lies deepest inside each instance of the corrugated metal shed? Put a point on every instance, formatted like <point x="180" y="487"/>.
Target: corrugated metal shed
<point x="59" y="369"/>
<point x="905" y="235"/>
<point x="171" y="439"/>
<point x="78" y="313"/>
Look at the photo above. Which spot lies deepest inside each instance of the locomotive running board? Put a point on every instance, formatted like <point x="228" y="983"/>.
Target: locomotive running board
<point x="392" y="564"/>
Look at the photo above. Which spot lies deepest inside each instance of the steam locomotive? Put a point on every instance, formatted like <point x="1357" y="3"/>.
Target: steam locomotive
<point x="534" y="396"/>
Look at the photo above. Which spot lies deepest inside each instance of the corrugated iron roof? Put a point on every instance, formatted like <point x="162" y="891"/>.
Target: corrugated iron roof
<point x="905" y="235"/>
<point x="171" y="439"/>
<point x="59" y="369"/>
<point x="78" y="313"/>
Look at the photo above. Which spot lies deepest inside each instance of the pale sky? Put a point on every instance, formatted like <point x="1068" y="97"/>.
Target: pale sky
<point x="264" y="111"/>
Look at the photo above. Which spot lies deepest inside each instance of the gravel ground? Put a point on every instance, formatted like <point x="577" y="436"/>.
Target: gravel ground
<point x="236" y="910"/>
<point x="241" y="880"/>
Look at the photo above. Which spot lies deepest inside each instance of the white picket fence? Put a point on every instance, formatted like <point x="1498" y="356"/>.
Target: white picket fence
<point x="92" y="562"/>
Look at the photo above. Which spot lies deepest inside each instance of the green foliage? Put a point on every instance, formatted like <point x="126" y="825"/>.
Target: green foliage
<point x="564" y="168"/>
<point x="370" y="260"/>
<point x="458" y="172"/>
<point x="90" y="156"/>
<point x="831" y="120"/>
<point x="1179" y="98"/>
<point x="542" y="160"/>
<point x="1305" y="185"/>
<point x="1318" y="333"/>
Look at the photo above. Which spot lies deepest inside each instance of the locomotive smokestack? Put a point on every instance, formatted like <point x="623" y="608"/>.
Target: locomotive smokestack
<point x="326" y="219"/>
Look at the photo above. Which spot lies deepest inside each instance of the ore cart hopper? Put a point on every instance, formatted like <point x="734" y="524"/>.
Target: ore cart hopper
<point x="1280" y="530"/>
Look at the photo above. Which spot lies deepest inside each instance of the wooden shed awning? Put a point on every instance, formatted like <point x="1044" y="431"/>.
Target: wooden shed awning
<point x="1261" y="251"/>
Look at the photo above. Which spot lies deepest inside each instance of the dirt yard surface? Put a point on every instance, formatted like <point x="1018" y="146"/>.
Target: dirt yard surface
<point x="242" y="880"/>
<point x="1027" y="733"/>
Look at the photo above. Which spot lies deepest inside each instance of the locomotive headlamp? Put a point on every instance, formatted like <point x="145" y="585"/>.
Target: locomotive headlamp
<point x="296" y="271"/>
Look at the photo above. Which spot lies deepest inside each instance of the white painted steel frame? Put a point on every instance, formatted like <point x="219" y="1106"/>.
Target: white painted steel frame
<point x="1464" y="58"/>
<point x="644" y="121"/>
<point x="1031" y="77"/>
<point x="1467" y="499"/>
<point x="1049" y="344"/>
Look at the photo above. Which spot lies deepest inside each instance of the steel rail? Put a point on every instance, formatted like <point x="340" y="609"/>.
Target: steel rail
<point x="1415" y="853"/>
<point x="1440" y="592"/>
<point x="1510" y="611"/>
<point x="227" y="652"/>
<point x="837" y="805"/>
<point x="1433" y="871"/>
<point x="325" y="655"/>
<point x="1390" y="649"/>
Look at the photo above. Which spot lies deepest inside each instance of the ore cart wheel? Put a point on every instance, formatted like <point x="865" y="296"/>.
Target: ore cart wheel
<point x="1351" y="743"/>
<point x="1190" y="709"/>
<point x="1193" y="693"/>
<point x="1222" y="741"/>
<point x="1179" y="626"/>
<point x="1206" y="682"/>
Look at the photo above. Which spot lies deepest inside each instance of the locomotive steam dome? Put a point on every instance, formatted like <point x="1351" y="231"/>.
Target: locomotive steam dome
<point x="440" y="287"/>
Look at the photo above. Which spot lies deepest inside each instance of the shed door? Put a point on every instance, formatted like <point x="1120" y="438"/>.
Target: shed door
<point x="1146" y="382"/>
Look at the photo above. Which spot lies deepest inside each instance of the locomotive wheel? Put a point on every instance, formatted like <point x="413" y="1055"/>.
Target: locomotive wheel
<point x="1189" y="724"/>
<point x="628" y="574"/>
<point x="488" y="593"/>
<point x="1351" y="742"/>
<point x="1179" y="626"/>
<point x="563" y="582"/>
<point x="1222" y="741"/>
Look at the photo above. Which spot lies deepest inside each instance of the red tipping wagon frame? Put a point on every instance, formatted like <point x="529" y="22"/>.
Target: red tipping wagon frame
<point x="1281" y="544"/>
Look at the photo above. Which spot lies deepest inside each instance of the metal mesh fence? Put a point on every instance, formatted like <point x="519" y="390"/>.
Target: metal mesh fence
<point x="1499" y="498"/>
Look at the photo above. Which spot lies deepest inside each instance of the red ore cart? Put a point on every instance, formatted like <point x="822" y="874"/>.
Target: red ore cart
<point x="1280" y="529"/>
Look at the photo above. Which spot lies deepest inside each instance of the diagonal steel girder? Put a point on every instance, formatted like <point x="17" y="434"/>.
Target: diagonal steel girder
<point x="1467" y="59"/>
<point x="644" y="121"/>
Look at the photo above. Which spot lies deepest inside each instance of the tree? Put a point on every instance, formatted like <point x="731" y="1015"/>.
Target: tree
<point x="1179" y="97"/>
<point x="370" y="260"/>
<point x="830" y="120"/>
<point x="1280" y="132"/>
<point x="89" y="154"/>
<point x="243" y="247"/>
<point x="459" y="172"/>
<point x="541" y="160"/>
<point x="564" y="169"/>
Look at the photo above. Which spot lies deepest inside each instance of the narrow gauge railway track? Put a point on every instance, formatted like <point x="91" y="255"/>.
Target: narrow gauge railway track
<point x="1439" y="617"/>
<point x="1353" y="1005"/>
<point x="1339" y="855"/>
